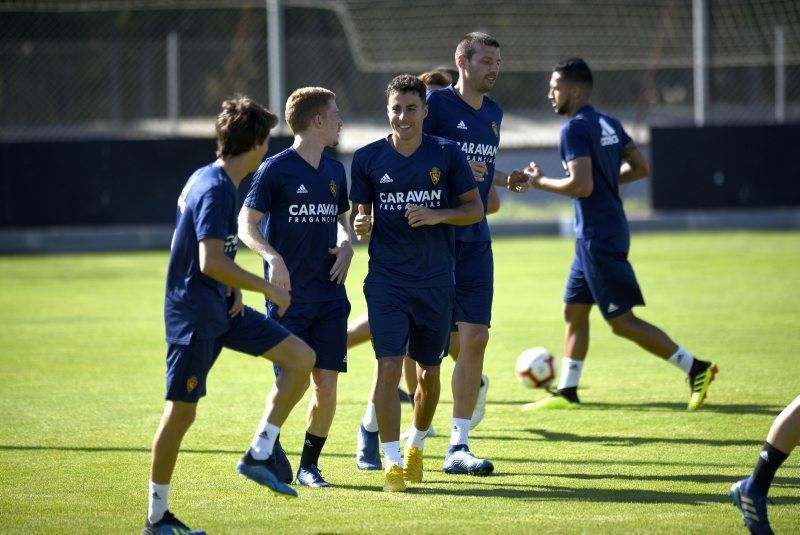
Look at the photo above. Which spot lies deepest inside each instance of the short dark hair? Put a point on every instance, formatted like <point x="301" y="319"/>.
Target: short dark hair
<point x="467" y="44"/>
<point x="406" y="83"/>
<point x="242" y="124"/>
<point x="575" y="71"/>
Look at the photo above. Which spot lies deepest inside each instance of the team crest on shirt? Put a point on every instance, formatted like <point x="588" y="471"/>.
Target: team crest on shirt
<point x="435" y="175"/>
<point x="332" y="187"/>
<point x="191" y="383"/>
<point x="495" y="129"/>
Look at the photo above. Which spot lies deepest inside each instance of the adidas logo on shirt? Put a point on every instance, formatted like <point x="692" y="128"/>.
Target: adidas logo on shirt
<point x="609" y="136"/>
<point x="302" y="189"/>
<point x="461" y="126"/>
<point x="385" y="179"/>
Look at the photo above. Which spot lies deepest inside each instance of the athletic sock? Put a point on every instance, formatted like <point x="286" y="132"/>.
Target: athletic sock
<point x="416" y="438"/>
<point x="264" y="440"/>
<point x="570" y="373"/>
<point x="370" y="421"/>
<point x="157" y="502"/>
<point x="460" y="433"/>
<point x="312" y="447"/>
<point x="769" y="460"/>
<point x="391" y="452"/>
<point x="682" y="359"/>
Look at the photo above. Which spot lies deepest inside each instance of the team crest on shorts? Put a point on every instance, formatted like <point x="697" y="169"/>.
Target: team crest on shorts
<point x="191" y="383"/>
<point x="435" y="175"/>
<point x="332" y="187"/>
<point x="495" y="129"/>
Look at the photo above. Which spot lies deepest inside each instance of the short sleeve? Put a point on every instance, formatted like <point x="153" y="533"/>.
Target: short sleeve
<point x="212" y="214"/>
<point x="575" y="142"/>
<point x="260" y="195"/>
<point x="361" y="190"/>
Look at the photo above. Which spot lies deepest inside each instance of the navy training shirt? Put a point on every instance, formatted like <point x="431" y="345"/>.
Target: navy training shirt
<point x="301" y="206"/>
<point x="477" y="133"/>
<point x="601" y="138"/>
<point x="433" y="176"/>
<point x="194" y="302"/>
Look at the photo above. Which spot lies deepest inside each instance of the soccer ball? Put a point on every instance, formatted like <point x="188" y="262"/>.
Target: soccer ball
<point x="536" y="368"/>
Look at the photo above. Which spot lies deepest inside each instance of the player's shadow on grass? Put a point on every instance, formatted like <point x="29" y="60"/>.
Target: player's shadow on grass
<point x="664" y="406"/>
<point x="691" y="478"/>
<point x="550" y="492"/>
<point x="638" y="441"/>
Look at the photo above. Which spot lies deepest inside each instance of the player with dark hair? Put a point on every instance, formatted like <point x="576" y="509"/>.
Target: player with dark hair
<point x="598" y="156"/>
<point x="750" y="494"/>
<point x="410" y="189"/>
<point x="464" y="113"/>
<point x="203" y="311"/>
<point x="294" y="218"/>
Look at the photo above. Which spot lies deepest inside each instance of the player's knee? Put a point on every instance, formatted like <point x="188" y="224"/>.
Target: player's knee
<point x="301" y="357"/>
<point x="325" y="387"/>
<point x="574" y="316"/>
<point x="181" y="416"/>
<point x="389" y="371"/>
<point x="476" y="340"/>
<point x="428" y="376"/>
<point x="623" y="325"/>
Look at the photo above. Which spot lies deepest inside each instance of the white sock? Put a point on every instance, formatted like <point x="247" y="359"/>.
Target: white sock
<point x="682" y="359"/>
<point x="264" y="440"/>
<point x="370" y="421"/>
<point x="460" y="433"/>
<point x="416" y="438"/>
<point x="570" y="373"/>
<point x="157" y="502"/>
<point x="391" y="453"/>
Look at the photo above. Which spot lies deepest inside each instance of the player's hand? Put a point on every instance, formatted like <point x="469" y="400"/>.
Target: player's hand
<point x="419" y="216"/>
<point x="362" y="224"/>
<point x="344" y="255"/>
<point x="280" y="297"/>
<point x="517" y="182"/>
<point x="237" y="307"/>
<point x="534" y="174"/>
<point x="478" y="170"/>
<point x="278" y="273"/>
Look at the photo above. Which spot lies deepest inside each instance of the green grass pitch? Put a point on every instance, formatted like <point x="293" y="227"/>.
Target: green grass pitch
<point x="82" y="360"/>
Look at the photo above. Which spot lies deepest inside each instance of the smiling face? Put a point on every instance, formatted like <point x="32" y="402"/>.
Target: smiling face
<point x="406" y="111"/>
<point x="480" y="71"/>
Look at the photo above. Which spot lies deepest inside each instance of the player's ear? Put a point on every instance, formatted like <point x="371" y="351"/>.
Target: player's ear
<point x="424" y="111"/>
<point x="461" y="60"/>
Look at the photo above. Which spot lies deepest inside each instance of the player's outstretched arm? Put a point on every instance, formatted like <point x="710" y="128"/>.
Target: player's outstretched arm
<point x="216" y="264"/>
<point x="634" y="165"/>
<point x="343" y="251"/>
<point x="468" y="212"/>
<point x="579" y="183"/>
<point x="249" y="219"/>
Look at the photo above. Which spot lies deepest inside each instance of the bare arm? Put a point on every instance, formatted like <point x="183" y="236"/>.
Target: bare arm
<point x="634" y="165"/>
<point x="216" y="264"/>
<point x="492" y="201"/>
<point x="579" y="183"/>
<point x="469" y="211"/>
<point x="343" y="251"/>
<point x="249" y="218"/>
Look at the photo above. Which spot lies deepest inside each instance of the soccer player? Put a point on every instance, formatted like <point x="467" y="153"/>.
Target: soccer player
<point x="598" y="156"/>
<point x="410" y="188"/>
<point x="203" y="311"/>
<point x="464" y="113"/>
<point x="305" y="244"/>
<point x="750" y="494"/>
